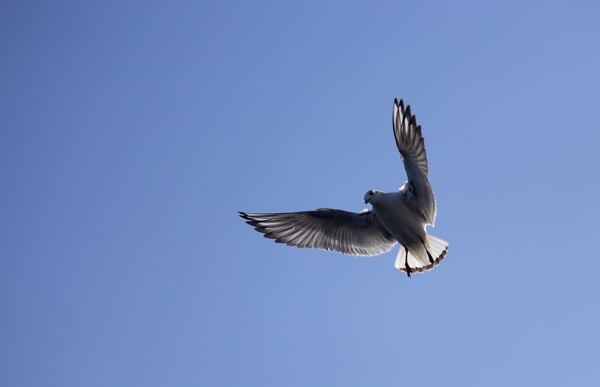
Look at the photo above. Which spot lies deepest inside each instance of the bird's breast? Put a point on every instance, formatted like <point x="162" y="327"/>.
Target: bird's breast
<point x="400" y="220"/>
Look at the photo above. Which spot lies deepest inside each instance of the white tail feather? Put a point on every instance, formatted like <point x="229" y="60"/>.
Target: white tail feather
<point x="422" y="257"/>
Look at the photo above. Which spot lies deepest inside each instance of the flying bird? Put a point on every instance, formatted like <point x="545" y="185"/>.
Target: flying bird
<point x="396" y="217"/>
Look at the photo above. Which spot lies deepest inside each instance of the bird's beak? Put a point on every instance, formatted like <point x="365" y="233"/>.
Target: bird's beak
<point x="366" y="201"/>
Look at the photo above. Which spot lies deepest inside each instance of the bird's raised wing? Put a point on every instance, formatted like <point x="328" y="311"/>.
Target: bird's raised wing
<point x="411" y="145"/>
<point x="326" y="229"/>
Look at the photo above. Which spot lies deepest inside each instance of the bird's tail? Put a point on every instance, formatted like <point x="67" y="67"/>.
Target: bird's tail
<point x="416" y="260"/>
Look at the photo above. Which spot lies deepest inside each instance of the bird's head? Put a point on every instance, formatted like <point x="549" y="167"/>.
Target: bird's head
<point x="373" y="196"/>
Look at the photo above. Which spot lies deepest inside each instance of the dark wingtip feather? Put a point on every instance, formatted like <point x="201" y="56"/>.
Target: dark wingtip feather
<point x="249" y="220"/>
<point x="400" y="105"/>
<point x="413" y="121"/>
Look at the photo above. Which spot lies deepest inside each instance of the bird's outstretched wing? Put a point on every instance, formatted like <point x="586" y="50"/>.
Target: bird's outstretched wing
<point x="334" y="230"/>
<point x="411" y="145"/>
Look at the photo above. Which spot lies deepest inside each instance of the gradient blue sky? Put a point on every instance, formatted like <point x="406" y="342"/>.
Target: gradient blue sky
<point x="133" y="132"/>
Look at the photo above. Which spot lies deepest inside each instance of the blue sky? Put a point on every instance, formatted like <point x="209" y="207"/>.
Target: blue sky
<point x="133" y="132"/>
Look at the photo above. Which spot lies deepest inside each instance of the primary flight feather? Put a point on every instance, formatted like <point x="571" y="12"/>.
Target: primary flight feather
<point x="396" y="216"/>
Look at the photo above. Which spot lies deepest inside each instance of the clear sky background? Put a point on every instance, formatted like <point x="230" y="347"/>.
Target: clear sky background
<point x="133" y="132"/>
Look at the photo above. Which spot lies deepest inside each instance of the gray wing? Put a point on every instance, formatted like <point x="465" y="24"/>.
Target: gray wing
<point x="411" y="145"/>
<point x="326" y="229"/>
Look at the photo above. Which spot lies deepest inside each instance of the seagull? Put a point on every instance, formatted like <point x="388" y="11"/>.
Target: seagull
<point x="397" y="217"/>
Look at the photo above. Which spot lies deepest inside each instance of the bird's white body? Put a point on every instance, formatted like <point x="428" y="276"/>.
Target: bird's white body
<point x="400" y="221"/>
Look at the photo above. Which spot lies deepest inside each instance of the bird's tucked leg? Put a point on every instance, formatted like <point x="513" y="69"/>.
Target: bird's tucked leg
<point x="427" y="251"/>
<point x="408" y="269"/>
